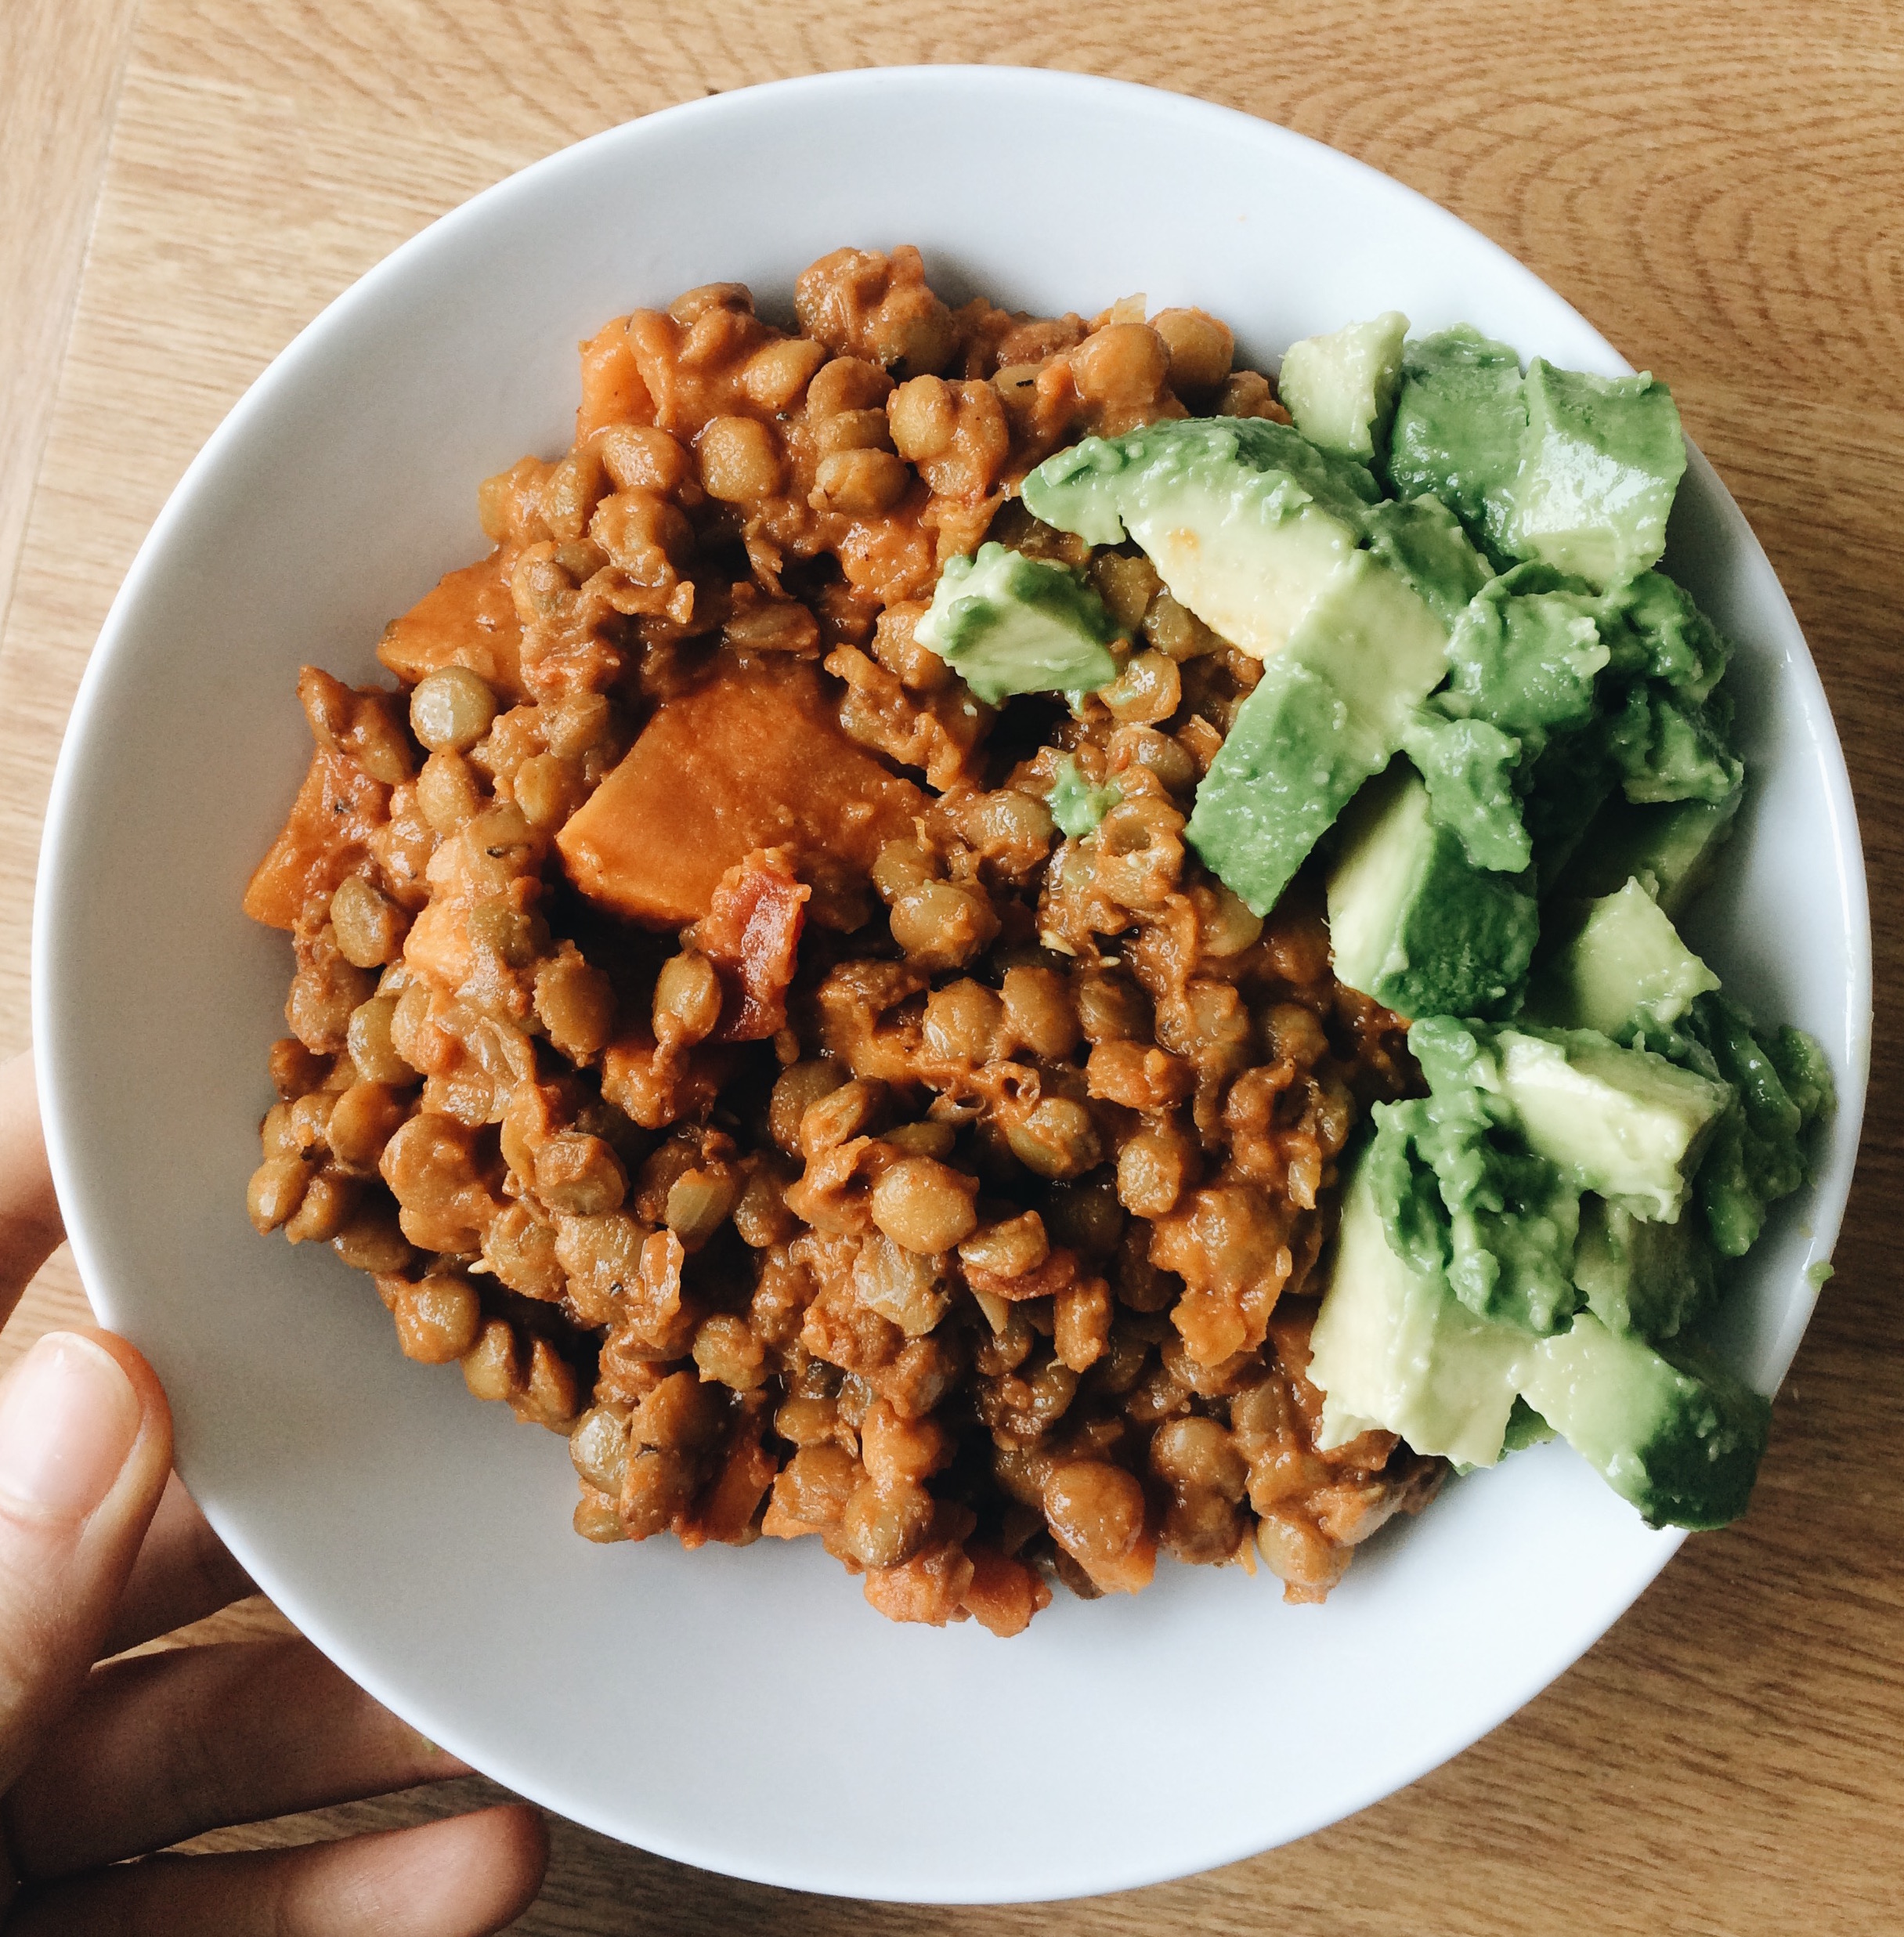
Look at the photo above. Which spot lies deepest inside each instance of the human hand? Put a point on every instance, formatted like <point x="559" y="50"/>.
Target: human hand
<point x="101" y="1760"/>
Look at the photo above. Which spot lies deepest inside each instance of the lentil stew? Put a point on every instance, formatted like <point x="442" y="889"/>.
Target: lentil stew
<point x="703" y="1032"/>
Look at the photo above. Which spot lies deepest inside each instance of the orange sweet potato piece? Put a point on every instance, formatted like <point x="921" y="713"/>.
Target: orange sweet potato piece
<point x="751" y="760"/>
<point x="612" y="391"/>
<point x="327" y="835"/>
<point x="468" y="619"/>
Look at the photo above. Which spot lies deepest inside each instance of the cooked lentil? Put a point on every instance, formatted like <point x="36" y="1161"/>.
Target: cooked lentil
<point x="701" y="1033"/>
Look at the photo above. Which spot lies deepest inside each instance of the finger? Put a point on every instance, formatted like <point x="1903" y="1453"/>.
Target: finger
<point x="183" y="1572"/>
<point x="165" y="1747"/>
<point x="465" y="1877"/>
<point x="30" y="1226"/>
<point x="85" y="1445"/>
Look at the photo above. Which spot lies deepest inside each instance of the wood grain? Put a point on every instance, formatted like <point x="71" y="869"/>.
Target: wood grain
<point x="59" y="63"/>
<point x="1720" y="190"/>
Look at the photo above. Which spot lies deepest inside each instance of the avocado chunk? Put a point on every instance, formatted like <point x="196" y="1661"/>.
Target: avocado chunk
<point x="1393" y="1348"/>
<point x="1576" y="471"/>
<point x="1328" y="712"/>
<point x="1248" y="523"/>
<point x="1667" y="747"/>
<point x="1681" y="1438"/>
<point x="1469" y="768"/>
<point x="1782" y="1085"/>
<point x="1075" y="804"/>
<point x="1006" y="624"/>
<point x="1623" y="973"/>
<point x="1650" y="749"/>
<point x="1460" y="417"/>
<point x="1499" y="1220"/>
<point x="1601" y="461"/>
<point x="1654" y="628"/>
<point x="1569" y="781"/>
<point x="1640" y="1277"/>
<point x="1412" y="923"/>
<point x="1624" y="1122"/>
<point x="1525" y="651"/>
<point x="1340" y="388"/>
<point x="1421" y="539"/>
<point x="1673" y="844"/>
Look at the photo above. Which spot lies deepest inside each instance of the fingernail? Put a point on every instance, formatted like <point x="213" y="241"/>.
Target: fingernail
<point x="68" y="1418"/>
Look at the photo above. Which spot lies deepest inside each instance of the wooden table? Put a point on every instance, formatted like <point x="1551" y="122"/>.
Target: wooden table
<point x="1720" y="188"/>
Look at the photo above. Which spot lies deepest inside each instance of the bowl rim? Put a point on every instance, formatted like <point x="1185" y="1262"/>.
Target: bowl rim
<point x="54" y="881"/>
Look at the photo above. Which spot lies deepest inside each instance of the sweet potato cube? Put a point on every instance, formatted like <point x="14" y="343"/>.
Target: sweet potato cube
<point x="468" y="619"/>
<point x="327" y="831"/>
<point x="748" y="761"/>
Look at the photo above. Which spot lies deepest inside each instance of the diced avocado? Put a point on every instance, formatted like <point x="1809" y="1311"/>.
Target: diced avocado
<point x="1572" y="469"/>
<point x="1246" y="521"/>
<point x="1757" y="1153"/>
<point x="1500" y="1221"/>
<point x="1293" y="758"/>
<point x="1651" y="747"/>
<point x="1393" y="1348"/>
<point x="1328" y="712"/>
<point x="1377" y="641"/>
<point x="1681" y="1441"/>
<point x="1625" y="970"/>
<point x="1667" y="747"/>
<point x="1469" y="767"/>
<point x="1525" y="651"/>
<point x="1625" y="1122"/>
<point x="1638" y="1276"/>
<point x="1460" y="417"/>
<point x="1411" y="923"/>
<point x="1735" y="1208"/>
<point x="1422" y="539"/>
<point x="1006" y="624"/>
<point x="1804" y="1072"/>
<point x="1568" y="784"/>
<point x="1075" y="804"/>
<point x="1654" y="628"/>
<point x="1512" y="1244"/>
<point x="1340" y="388"/>
<point x="1598" y="467"/>
<point x="1679" y="1437"/>
<point x="1674" y="844"/>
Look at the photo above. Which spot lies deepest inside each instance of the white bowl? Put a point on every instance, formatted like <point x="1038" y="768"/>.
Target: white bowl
<point x="745" y="1710"/>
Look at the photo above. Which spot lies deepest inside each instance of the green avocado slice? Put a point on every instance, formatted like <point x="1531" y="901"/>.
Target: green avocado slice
<point x="1412" y="923"/>
<point x="1006" y="624"/>
<point x="1327" y="714"/>
<point x="1679" y="1437"/>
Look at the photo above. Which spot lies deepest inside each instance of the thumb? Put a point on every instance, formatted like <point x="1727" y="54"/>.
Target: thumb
<point x="85" y="1444"/>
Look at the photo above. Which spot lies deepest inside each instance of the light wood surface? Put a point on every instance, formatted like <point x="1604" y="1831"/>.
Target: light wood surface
<point x="1720" y="189"/>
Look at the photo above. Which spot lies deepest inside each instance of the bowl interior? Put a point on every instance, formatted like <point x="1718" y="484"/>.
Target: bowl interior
<point x="745" y="1710"/>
